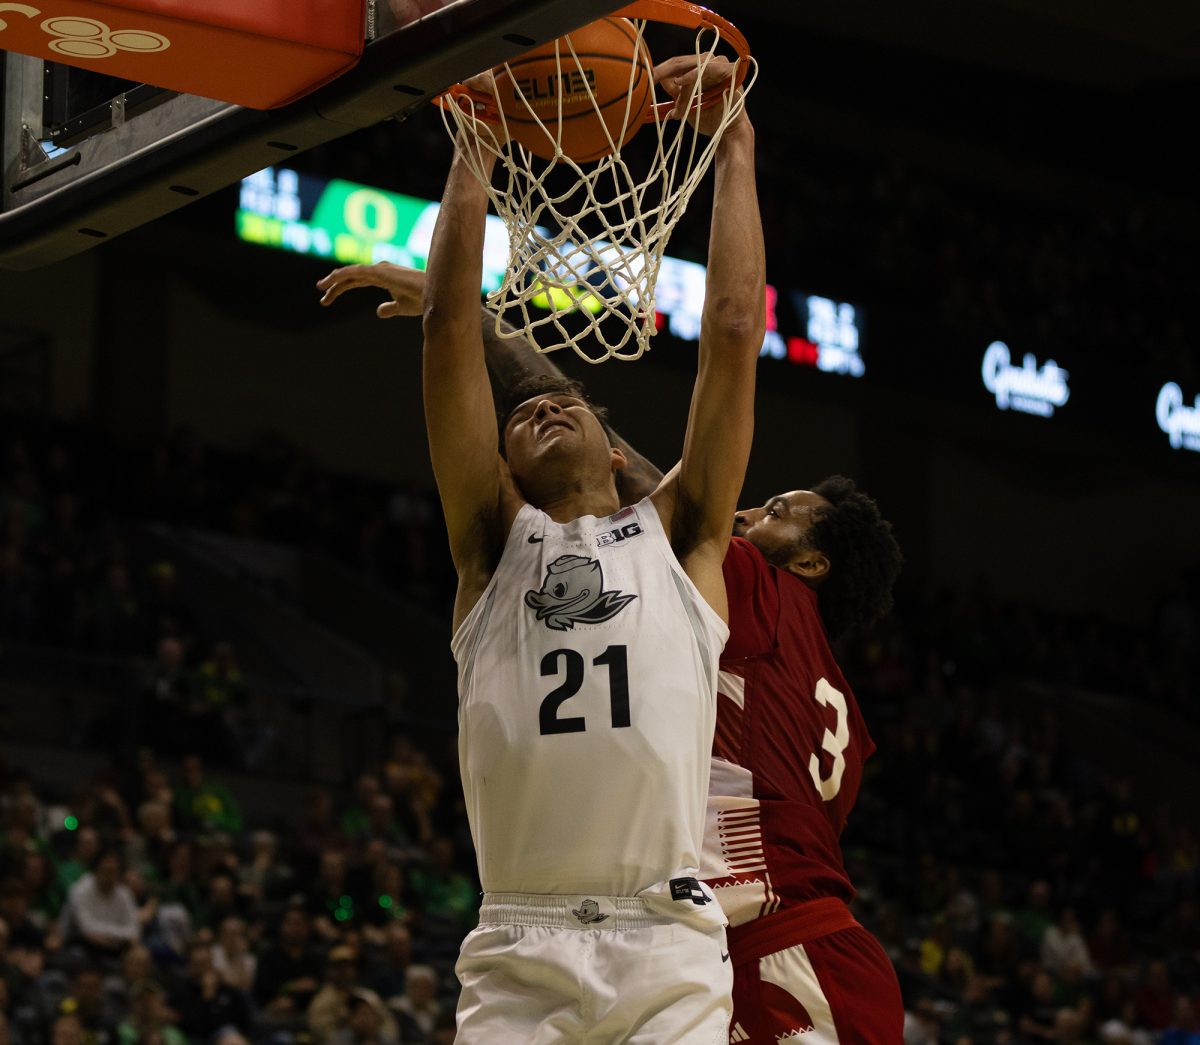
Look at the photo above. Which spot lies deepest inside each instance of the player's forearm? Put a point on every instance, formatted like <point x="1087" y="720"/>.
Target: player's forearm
<point x="734" y="301"/>
<point x="455" y="267"/>
<point x="512" y="359"/>
<point x="721" y="422"/>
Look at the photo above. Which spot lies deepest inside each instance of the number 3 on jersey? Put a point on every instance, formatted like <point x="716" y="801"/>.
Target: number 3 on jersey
<point x="614" y="658"/>
<point x="835" y="743"/>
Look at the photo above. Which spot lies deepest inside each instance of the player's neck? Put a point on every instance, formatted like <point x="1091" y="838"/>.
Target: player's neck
<point x="570" y="504"/>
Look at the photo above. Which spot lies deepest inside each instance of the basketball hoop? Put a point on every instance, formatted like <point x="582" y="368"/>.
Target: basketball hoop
<point x="586" y="245"/>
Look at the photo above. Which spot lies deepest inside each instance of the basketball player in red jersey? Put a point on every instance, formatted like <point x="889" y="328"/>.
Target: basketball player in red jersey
<point x="790" y="741"/>
<point x="787" y="764"/>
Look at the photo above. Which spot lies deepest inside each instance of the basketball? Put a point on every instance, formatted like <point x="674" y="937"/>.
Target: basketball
<point x="613" y="70"/>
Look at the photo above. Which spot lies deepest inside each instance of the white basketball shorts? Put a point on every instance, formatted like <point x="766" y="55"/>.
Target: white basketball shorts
<point x="593" y="971"/>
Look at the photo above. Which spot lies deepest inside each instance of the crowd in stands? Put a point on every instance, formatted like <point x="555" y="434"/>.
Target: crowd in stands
<point x="140" y="908"/>
<point x="1024" y="894"/>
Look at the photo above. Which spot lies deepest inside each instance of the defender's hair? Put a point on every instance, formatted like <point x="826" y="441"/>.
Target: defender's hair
<point x="864" y="558"/>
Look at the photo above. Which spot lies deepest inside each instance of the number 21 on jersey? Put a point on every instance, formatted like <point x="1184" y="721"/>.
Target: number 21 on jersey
<point x="571" y="663"/>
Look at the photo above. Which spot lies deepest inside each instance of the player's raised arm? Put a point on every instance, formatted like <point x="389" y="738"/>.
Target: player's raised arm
<point x="460" y="414"/>
<point x="700" y="499"/>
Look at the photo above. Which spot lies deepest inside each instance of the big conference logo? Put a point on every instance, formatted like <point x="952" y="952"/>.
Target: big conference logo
<point x="74" y="36"/>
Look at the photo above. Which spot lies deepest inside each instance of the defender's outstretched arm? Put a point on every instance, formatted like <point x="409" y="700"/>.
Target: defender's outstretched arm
<point x="509" y="359"/>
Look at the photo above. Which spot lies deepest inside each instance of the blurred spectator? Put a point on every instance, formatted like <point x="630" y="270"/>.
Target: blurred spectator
<point x="318" y="833"/>
<point x="168" y="615"/>
<point x="101" y="913"/>
<point x="1185" y="1027"/>
<point x="387" y="902"/>
<point x="137" y="970"/>
<point x="369" y="1023"/>
<point x="331" y="899"/>
<point x="330" y="1010"/>
<point x="417" y="1008"/>
<point x="1039" y="1014"/>
<point x="85" y="849"/>
<point x="443" y="892"/>
<point x="1109" y="944"/>
<point x="221" y="902"/>
<point x="263" y="879"/>
<point x="232" y="958"/>
<point x="67" y="1029"/>
<point x="356" y="820"/>
<point x="112" y="614"/>
<point x="218" y="711"/>
<point x="1155" y="999"/>
<point x="88" y="1003"/>
<point x="205" y="1004"/>
<point x="289" y="970"/>
<point x="43" y="888"/>
<point x="1063" y="945"/>
<point x="388" y="973"/>
<point x="203" y="804"/>
<point x="166" y="695"/>
<point x="150" y="1022"/>
<point x="1035" y="917"/>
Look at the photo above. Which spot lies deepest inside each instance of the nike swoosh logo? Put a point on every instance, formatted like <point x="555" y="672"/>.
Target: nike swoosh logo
<point x="725" y="957"/>
<point x="535" y="539"/>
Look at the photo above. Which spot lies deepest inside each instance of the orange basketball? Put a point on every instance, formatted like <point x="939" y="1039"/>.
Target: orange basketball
<point x="606" y="64"/>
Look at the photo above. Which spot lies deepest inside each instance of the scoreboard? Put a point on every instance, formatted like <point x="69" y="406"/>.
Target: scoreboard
<point x="357" y="224"/>
<point x="349" y="223"/>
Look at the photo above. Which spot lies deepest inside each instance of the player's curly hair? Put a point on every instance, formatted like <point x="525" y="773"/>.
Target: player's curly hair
<point x="546" y="384"/>
<point x="863" y="555"/>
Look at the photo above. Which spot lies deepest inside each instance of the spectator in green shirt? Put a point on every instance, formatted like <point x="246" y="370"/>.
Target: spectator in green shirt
<point x="202" y="804"/>
<point x="149" y="1020"/>
<point x="441" y="891"/>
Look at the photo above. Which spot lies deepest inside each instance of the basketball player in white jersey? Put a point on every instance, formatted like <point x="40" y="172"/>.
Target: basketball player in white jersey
<point x="587" y="640"/>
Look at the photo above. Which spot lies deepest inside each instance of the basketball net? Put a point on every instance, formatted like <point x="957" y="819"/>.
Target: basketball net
<point x="584" y="263"/>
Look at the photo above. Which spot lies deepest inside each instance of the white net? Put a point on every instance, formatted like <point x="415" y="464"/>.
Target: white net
<point x="586" y="240"/>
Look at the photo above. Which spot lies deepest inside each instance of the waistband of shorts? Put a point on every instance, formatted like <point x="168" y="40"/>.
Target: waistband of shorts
<point x="787" y="928"/>
<point x="554" y="911"/>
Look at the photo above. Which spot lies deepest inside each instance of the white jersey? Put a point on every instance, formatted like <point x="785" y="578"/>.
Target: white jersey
<point x="587" y="696"/>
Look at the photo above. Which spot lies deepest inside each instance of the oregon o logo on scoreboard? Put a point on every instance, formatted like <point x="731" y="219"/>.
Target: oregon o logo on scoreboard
<point x="79" y="37"/>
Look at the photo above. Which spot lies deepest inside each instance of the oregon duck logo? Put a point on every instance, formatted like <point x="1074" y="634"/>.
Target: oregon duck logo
<point x="573" y="593"/>
<point x="588" y="912"/>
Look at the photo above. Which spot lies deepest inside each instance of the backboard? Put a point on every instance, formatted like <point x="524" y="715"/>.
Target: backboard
<point x="87" y="157"/>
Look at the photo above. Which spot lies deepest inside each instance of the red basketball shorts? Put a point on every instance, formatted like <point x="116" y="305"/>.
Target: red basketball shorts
<point x="813" y="972"/>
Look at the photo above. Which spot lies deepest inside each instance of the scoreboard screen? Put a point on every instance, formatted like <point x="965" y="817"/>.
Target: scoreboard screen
<point x="351" y="224"/>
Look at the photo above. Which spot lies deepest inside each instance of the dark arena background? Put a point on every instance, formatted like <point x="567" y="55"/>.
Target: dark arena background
<point x="225" y="585"/>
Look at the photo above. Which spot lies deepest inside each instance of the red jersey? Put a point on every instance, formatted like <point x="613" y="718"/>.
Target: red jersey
<point x="788" y="752"/>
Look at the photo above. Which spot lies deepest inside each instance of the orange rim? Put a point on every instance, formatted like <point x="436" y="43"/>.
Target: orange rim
<point x="672" y="12"/>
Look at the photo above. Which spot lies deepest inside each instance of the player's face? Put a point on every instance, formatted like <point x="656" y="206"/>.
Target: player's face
<point x="779" y="526"/>
<point x="547" y="426"/>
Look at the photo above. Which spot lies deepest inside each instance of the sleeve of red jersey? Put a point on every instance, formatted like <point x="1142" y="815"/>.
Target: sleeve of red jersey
<point x="753" y="601"/>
